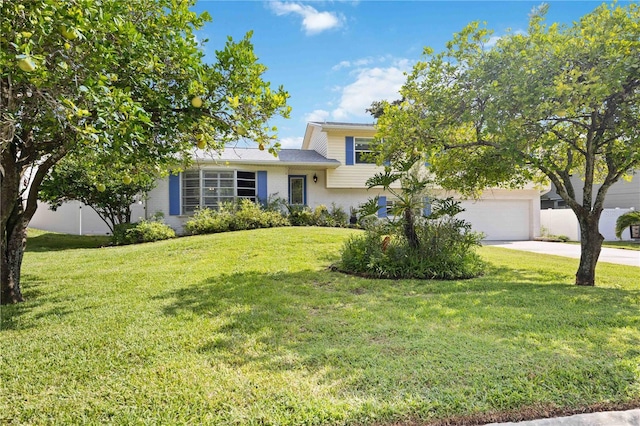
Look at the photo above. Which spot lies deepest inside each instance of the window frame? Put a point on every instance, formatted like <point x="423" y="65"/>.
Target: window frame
<point x="202" y="189"/>
<point x="357" y="153"/>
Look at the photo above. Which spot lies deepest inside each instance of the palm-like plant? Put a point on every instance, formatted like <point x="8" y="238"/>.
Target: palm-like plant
<point x="626" y="220"/>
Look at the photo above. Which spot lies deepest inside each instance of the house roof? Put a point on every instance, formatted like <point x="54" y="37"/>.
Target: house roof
<point x="343" y="125"/>
<point x="286" y="157"/>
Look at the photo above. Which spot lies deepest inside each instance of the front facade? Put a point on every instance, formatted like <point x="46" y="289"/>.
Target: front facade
<point x="330" y="168"/>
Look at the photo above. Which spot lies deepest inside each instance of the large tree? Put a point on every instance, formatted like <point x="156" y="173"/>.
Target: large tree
<point x="544" y="105"/>
<point x="113" y="76"/>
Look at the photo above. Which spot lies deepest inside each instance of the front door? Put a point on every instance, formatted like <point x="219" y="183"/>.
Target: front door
<point x="298" y="190"/>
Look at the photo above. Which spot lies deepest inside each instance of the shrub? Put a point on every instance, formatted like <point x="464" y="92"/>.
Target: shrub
<point x="445" y="251"/>
<point x="249" y="215"/>
<point x="339" y="217"/>
<point x="321" y="216"/>
<point x="141" y="232"/>
<point x="208" y="221"/>
<point x="234" y="217"/>
<point x="300" y="215"/>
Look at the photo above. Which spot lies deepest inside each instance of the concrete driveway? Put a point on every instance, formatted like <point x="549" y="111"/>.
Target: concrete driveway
<point x="611" y="255"/>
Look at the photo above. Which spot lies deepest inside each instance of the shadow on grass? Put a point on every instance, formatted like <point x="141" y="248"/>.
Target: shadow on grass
<point x="497" y="343"/>
<point x="11" y="315"/>
<point x="54" y="242"/>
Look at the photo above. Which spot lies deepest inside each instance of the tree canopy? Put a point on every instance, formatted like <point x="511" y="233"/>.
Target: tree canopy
<point x="109" y="189"/>
<point x="114" y="76"/>
<point x="539" y="106"/>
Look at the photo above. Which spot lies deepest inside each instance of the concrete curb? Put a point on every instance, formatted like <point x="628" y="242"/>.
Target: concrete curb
<point x="607" y="418"/>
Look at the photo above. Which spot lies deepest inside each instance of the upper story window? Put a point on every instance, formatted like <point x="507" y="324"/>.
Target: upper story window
<point x="362" y="147"/>
<point x="210" y="188"/>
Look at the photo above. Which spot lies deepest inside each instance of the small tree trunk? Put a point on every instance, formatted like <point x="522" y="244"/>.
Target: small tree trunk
<point x="410" y="229"/>
<point x="12" y="254"/>
<point x="591" y="244"/>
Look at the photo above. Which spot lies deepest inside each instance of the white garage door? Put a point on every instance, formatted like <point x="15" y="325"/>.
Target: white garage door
<point x="499" y="219"/>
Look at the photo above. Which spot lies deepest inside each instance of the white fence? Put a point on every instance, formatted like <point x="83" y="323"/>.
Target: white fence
<point x="564" y="222"/>
<point x="76" y="218"/>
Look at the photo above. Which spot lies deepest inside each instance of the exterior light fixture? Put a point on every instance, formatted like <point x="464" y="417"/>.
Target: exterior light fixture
<point x="315" y="178"/>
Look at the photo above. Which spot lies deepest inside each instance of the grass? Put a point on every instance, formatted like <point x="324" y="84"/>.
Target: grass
<point x="627" y="245"/>
<point x="250" y="327"/>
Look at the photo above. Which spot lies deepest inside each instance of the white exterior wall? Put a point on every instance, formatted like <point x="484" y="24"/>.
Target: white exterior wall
<point x="158" y="200"/>
<point x="319" y="194"/>
<point x="500" y="214"/>
<point x="564" y="222"/>
<point x="77" y="218"/>
<point x="319" y="142"/>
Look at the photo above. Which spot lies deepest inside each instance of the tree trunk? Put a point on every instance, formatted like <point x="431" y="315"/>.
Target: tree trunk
<point x="591" y="244"/>
<point x="410" y="229"/>
<point x="15" y="215"/>
<point x="11" y="262"/>
<point x="13" y="239"/>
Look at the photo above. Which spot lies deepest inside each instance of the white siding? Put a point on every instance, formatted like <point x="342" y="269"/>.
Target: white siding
<point x="353" y="176"/>
<point x="319" y="142"/>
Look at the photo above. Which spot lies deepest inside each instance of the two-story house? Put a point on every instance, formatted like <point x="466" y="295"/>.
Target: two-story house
<point x="329" y="168"/>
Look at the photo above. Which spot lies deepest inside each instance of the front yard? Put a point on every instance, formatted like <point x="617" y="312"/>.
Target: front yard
<point x="252" y="328"/>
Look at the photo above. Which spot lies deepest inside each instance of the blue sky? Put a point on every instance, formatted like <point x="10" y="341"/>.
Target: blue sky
<point x="336" y="57"/>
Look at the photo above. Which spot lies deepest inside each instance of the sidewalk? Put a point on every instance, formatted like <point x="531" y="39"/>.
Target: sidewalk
<point x="611" y="255"/>
<point x="608" y="418"/>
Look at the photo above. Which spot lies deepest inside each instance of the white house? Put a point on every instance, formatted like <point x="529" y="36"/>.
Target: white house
<point x="329" y="168"/>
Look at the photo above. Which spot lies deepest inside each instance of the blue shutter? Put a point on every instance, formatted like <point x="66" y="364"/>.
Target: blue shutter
<point x="349" y="150"/>
<point x="174" y="194"/>
<point x="382" y="206"/>
<point x="262" y="186"/>
<point x="426" y="211"/>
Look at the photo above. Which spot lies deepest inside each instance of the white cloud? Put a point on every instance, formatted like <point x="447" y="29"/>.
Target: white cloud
<point x="317" y="115"/>
<point x="362" y="62"/>
<point x="353" y="64"/>
<point x="372" y="84"/>
<point x="494" y="39"/>
<point x="313" y="21"/>
<point x="291" y="142"/>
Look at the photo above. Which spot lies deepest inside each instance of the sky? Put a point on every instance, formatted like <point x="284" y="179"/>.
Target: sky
<point x="336" y="57"/>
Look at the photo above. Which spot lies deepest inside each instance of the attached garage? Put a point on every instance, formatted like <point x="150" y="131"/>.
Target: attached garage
<point x="500" y="219"/>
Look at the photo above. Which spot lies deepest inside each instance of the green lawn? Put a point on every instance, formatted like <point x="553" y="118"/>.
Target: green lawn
<point x="250" y="327"/>
<point x="627" y="245"/>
